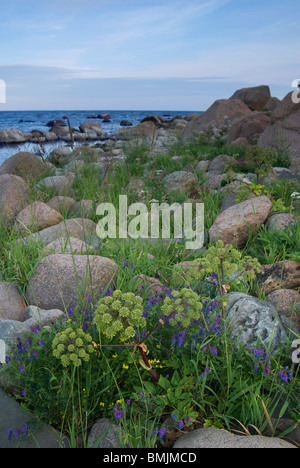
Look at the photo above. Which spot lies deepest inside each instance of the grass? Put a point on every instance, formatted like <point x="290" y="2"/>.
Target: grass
<point x="206" y="378"/>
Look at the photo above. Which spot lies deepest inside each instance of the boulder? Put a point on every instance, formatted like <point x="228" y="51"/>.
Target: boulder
<point x="83" y="208"/>
<point x="60" y="132"/>
<point x="235" y="224"/>
<point x="142" y="130"/>
<point x="281" y="275"/>
<point x="60" y="156"/>
<point x="202" y="166"/>
<point x="13" y="135"/>
<point x="222" y="110"/>
<point x="285" y="301"/>
<point x="62" y="280"/>
<point x="280" y="222"/>
<point x="255" y="323"/>
<point x="59" y="184"/>
<point x="36" y="316"/>
<point x="35" y="217"/>
<point x="65" y="245"/>
<point x="77" y="227"/>
<point x="230" y="194"/>
<point x="105" y="435"/>
<point x="221" y="162"/>
<point x="56" y="123"/>
<point x="249" y="127"/>
<point x="12" y="305"/>
<point x="180" y="181"/>
<point x="213" y="180"/>
<point x="92" y="126"/>
<point x="283" y="132"/>
<point x="25" y="165"/>
<point x="61" y="204"/>
<point x="14" y="195"/>
<point x="148" y="285"/>
<point x="255" y="97"/>
<point x="210" y="437"/>
<point x="126" y="123"/>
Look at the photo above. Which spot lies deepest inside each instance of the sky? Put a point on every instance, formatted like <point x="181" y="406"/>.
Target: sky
<point x="144" y="55"/>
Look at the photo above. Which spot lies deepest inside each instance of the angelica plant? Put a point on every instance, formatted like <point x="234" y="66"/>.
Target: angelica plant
<point x="183" y="307"/>
<point x="72" y="346"/>
<point x="120" y="314"/>
<point x="224" y="264"/>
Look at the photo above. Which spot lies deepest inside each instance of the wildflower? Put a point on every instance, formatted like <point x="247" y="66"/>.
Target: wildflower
<point x="180" y="424"/>
<point x="101" y="403"/>
<point x="124" y="262"/>
<point x="162" y="432"/>
<point x="206" y="371"/>
<point x="125" y="367"/>
<point x="118" y="414"/>
<point x="23" y="393"/>
<point x="16" y="433"/>
<point x="128" y="403"/>
<point x="9" y="434"/>
<point x="22" y="370"/>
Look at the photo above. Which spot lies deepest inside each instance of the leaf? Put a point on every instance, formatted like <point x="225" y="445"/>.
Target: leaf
<point x="150" y="387"/>
<point x="163" y="382"/>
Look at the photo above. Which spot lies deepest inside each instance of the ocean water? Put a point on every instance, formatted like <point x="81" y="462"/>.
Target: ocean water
<point x="37" y="120"/>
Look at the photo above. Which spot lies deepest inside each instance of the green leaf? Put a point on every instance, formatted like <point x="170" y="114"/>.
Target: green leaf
<point x="151" y="388"/>
<point x="163" y="382"/>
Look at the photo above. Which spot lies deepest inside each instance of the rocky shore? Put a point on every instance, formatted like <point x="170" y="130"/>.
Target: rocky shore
<point x="64" y="226"/>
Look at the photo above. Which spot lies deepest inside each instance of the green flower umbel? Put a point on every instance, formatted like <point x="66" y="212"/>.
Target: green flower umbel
<point x="72" y="347"/>
<point x="184" y="306"/>
<point x="119" y="314"/>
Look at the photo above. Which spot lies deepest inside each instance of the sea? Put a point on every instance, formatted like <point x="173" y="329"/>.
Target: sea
<point x="37" y="120"/>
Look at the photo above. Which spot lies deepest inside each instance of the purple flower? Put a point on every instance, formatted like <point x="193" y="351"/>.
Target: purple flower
<point x="23" y="393"/>
<point x="124" y="262"/>
<point x="180" y="424"/>
<point x="118" y="414"/>
<point x="214" y="351"/>
<point x="206" y="371"/>
<point x="9" y="434"/>
<point x="162" y="432"/>
<point x="128" y="402"/>
<point x="22" y="370"/>
<point x="16" y="433"/>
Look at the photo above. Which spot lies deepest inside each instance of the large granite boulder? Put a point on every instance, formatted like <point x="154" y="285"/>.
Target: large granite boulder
<point x="222" y="110"/>
<point x="235" y="224"/>
<point x="25" y="165"/>
<point x="12" y="304"/>
<point x="255" y="322"/>
<point x="36" y="217"/>
<point x="211" y="437"/>
<point x="62" y="280"/>
<point x="255" y="97"/>
<point x="14" y="195"/>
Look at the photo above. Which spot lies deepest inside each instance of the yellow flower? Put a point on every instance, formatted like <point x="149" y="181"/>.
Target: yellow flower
<point x="101" y="403"/>
<point x="114" y="355"/>
<point x="158" y="346"/>
<point x="125" y="367"/>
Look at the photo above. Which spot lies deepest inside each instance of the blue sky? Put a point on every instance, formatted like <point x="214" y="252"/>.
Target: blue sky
<point x="136" y="54"/>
